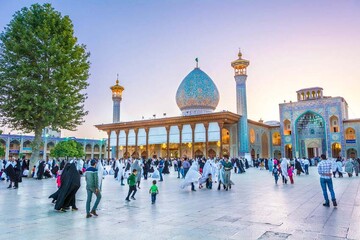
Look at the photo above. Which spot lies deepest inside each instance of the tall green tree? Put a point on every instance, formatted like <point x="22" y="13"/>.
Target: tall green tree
<point x="43" y="73"/>
<point x="68" y="149"/>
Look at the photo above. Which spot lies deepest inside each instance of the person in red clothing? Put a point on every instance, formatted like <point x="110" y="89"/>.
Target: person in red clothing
<point x="290" y="173"/>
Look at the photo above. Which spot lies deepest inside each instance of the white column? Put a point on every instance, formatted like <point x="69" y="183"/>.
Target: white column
<point x="7" y="148"/>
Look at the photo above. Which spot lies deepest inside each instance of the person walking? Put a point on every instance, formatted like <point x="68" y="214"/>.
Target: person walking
<point x="324" y="170"/>
<point x="186" y="166"/>
<point x="154" y="190"/>
<point x="132" y="185"/>
<point x="290" y="171"/>
<point x="349" y="167"/>
<point x="92" y="186"/>
<point x="306" y="166"/>
<point x="161" y="168"/>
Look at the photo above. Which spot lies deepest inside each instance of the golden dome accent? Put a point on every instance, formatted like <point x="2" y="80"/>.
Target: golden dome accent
<point x="117" y="89"/>
<point x="240" y="63"/>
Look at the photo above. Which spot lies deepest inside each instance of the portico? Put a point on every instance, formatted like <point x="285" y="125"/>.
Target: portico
<point x="208" y="135"/>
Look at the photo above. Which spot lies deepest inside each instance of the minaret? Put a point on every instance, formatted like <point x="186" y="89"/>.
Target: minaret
<point x="240" y="66"/>
<point x="116" y="97"/>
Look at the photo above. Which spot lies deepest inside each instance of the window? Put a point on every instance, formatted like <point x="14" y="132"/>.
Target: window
<point x="276" y="139"/>
<point x="350" y="134"/>
<point x="287" y="127"/>
<point x="334" y="126"/>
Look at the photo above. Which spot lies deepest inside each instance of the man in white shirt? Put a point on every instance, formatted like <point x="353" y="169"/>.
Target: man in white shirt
<point x="306" y="166"/>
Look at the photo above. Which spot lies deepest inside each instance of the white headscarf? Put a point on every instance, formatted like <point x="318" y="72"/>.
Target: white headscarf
<point x="284" y="165"/>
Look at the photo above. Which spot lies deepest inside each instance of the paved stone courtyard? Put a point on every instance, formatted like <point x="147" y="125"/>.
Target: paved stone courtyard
<point x="254" y="209"/>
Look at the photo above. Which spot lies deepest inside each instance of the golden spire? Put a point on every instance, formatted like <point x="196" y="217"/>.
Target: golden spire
<point x="240" y="65"/>
<point x="117" y="89"/>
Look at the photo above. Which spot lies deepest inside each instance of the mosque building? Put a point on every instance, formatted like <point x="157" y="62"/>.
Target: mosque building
<point x="313" y="125"/>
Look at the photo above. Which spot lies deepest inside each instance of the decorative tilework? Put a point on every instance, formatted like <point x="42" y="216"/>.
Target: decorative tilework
<point x="197" y="91"/>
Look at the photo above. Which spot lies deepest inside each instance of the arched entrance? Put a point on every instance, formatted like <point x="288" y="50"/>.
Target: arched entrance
<point x="277" y="154"/>
<point x="14" y="148"/>
<point x="336" y="150"/>
<point x="310" y="135"/>
<point x="264" y="146"/>
<point x="144" y="155"/>
<point x="351" y="153"/>
<point x="288" y="151"/>
<point x="313" y="149"/>
<point x="135" y="155"/>
<point x="199" y="154"/>
<point x="211" y="153"/>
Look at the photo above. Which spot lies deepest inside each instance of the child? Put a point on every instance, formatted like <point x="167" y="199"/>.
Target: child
<point x="153" y="191"/>
<point x="209" y="181"/>
<point x="275" y="173"/>
<point x="33" y="172"/>
<point x="58" y="179"/>
<point x="132" y="185"/>
<point x="290" y="173"/>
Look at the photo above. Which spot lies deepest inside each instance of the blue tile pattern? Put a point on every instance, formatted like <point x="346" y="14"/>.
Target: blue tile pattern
<point x="197" y="91"/>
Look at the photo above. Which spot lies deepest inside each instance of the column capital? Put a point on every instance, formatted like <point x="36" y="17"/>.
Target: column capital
<point x="126" y="131"/>
<point x="109" y="132"/>
<point x="167" y="128"/>
<point x="146" y="130"/>
<point x="193" y="125"/>
<point x="206" y="125"/>
<point x="221" y="125"/>
<point x="136" y="130"/>
<point x="117" y="132"/>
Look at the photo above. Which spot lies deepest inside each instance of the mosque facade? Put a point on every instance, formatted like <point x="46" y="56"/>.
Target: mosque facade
<point x="312" y="125"/>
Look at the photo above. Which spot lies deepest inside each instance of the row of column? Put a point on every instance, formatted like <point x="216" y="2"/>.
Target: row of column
<point x="180" y="127"/>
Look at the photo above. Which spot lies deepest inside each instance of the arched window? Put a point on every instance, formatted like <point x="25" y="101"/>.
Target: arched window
<point x="88" y="148"/>
<point x="252" y="135"/>
<point x="276" y="139"/>
<point x="287" y="127"/>
<point x="334" y="124"/>
<point x="307" y="95"/>
<point x="350" y="134"/>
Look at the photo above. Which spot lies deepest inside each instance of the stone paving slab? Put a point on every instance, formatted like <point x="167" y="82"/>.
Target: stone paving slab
<point x="255" y="208"/>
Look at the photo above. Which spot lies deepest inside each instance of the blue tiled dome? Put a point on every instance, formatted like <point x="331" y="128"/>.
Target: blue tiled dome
<point x="197" y="93"/>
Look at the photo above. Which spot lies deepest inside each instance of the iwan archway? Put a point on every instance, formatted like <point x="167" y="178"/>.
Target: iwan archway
<point x="310" y="135"/>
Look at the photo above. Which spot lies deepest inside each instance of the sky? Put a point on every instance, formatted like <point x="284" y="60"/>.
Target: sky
<point x="152" y="46"/>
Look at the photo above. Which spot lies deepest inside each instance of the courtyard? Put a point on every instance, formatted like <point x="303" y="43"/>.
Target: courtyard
<point x="255" y="208"/>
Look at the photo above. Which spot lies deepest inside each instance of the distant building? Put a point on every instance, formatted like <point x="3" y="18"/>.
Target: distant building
<point x="20" y="145"/>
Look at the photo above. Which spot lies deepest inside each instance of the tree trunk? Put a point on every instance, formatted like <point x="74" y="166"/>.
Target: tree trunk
<point x="35" y="149"/>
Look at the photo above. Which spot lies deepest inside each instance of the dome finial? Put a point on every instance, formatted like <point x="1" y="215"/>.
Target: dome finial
<point x="197" y="62"/>
<point x="117" y="79"/>
<point x="239" y="54"/>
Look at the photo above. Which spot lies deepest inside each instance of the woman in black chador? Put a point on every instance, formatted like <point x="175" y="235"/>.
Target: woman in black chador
<point x="166" y="167"/>
<point x="70" y="183"/>
<point x="298" y="167"/>
<point x="41" y="169"/>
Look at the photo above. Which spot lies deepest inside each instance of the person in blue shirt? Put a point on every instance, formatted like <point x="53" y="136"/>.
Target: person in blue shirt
<point x="161" y="168"/>
<point x="324" y="170"/>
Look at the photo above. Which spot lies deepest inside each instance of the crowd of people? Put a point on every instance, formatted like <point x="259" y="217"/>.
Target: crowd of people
<point x="195" y="173"/>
